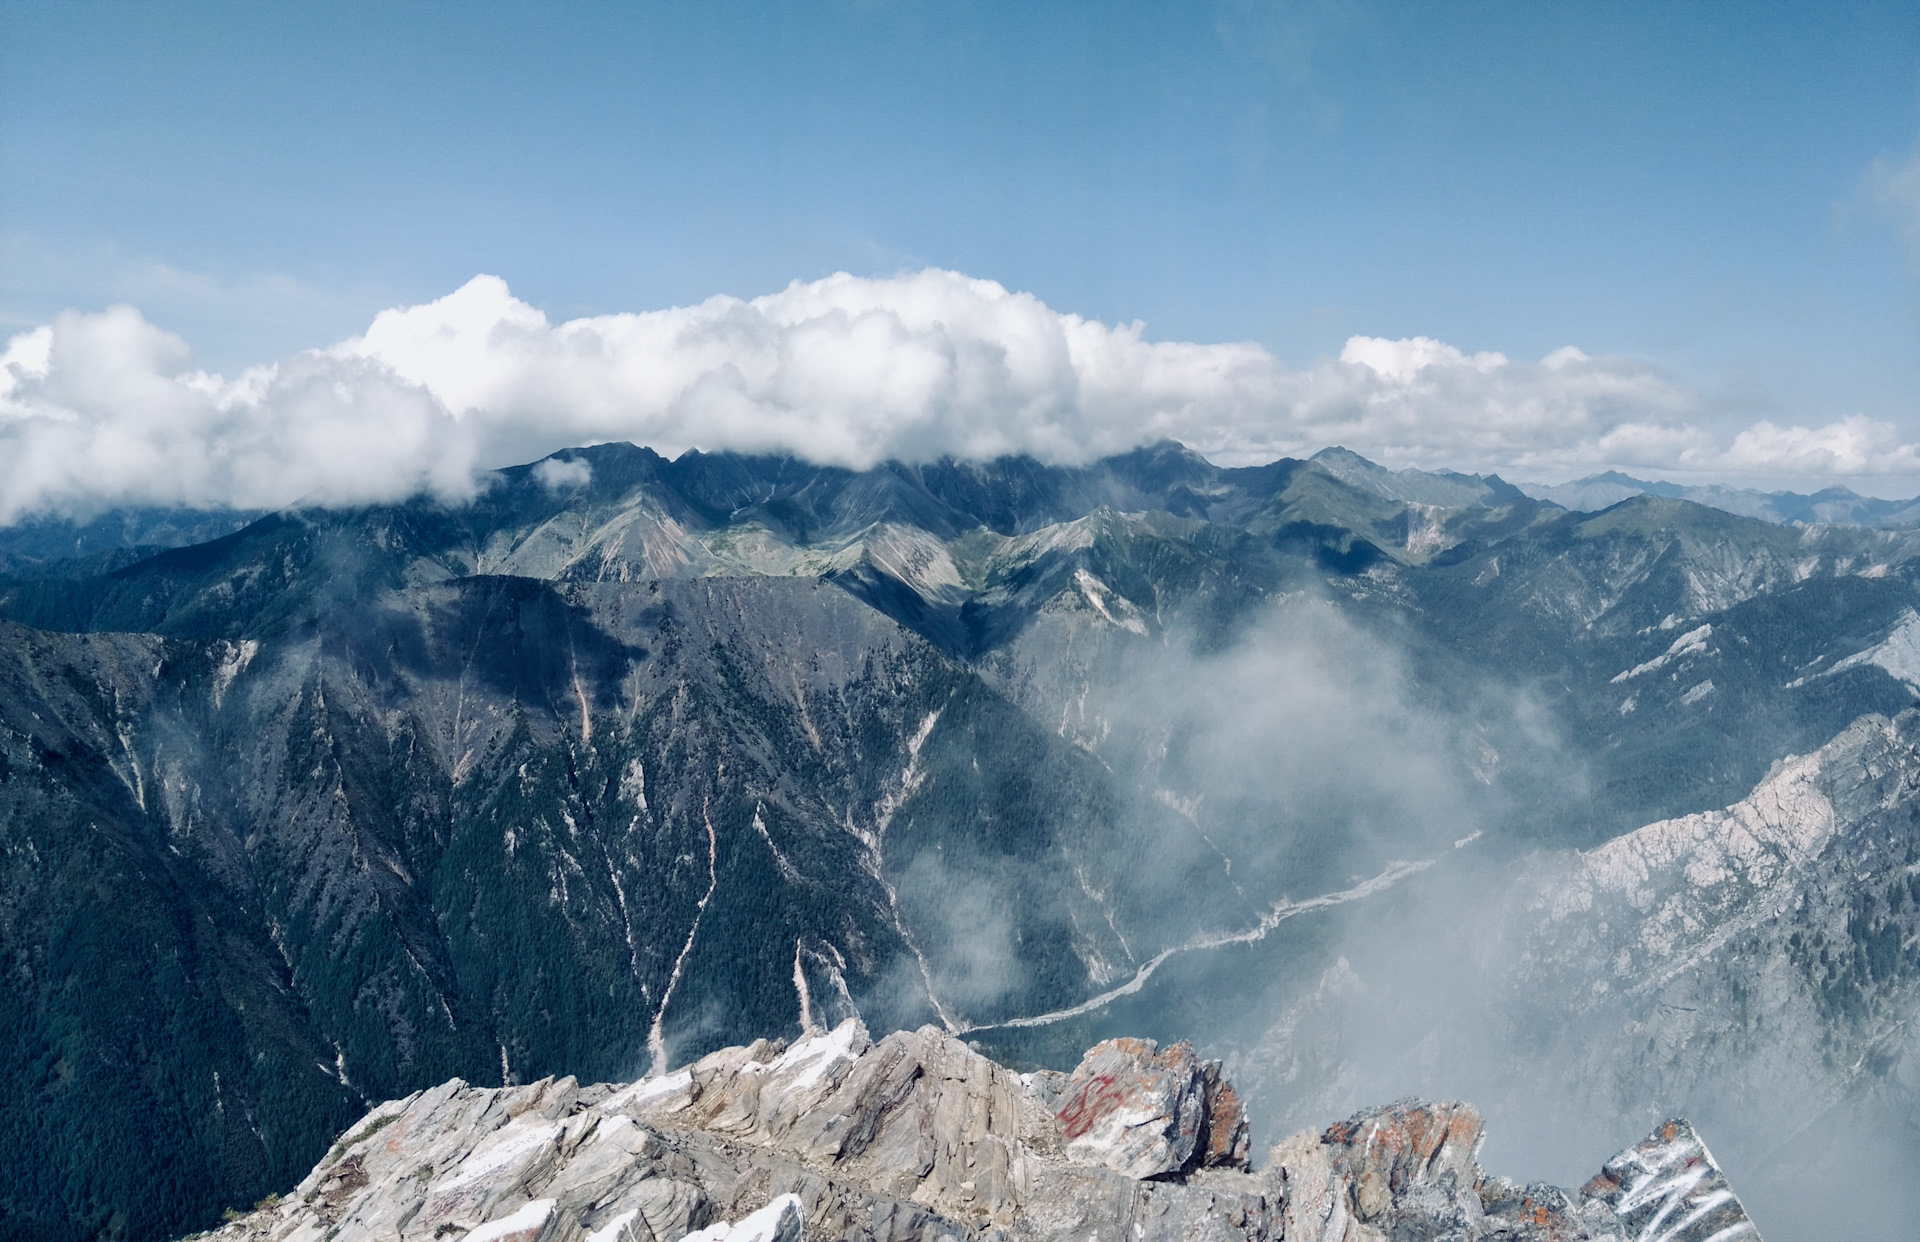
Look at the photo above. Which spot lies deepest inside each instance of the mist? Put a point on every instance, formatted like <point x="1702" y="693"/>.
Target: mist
<point x="1280" y="777"/>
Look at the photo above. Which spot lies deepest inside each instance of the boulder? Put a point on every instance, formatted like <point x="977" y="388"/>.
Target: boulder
<point x="1150" y="1112"/>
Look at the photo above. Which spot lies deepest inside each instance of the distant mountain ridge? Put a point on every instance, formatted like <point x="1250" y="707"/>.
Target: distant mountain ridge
<point x="106" y="541"/>
<point x="1164" y="476"/>
<point x="1835" y="506"/>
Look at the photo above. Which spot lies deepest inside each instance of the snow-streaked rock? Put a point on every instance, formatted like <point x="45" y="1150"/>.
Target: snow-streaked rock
<point x="782" y="1220"/>
<point x="1668" y="1187"/>
<point x="1693" y="642"/>
<point x="919" y="1137"/>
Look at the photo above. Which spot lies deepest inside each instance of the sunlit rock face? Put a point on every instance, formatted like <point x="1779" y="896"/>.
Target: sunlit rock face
<point x="919" y="1137"/>
<point x="1146" y="1111"/>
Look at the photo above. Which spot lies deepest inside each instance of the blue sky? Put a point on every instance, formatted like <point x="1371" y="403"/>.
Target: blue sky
<point x="1689" y="185"/>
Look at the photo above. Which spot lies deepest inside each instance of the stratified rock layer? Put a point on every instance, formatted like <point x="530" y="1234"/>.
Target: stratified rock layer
<point x="918" y="1136"/>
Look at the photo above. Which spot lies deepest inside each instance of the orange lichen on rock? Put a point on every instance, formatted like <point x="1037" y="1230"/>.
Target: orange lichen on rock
<point x="1409" y="1141"/>
<point x="1227" y="1128"/>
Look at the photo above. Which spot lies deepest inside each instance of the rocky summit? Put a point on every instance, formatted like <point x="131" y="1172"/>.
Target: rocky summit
<point x="919" y="1136"/>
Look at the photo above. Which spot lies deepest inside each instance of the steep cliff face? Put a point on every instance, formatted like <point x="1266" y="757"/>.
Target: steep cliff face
<point x="1785" y="921"/>
<point x="919" y="1137"/>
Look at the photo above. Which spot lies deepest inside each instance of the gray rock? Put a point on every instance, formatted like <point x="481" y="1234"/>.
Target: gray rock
<point x="919" y="1137"/>
<point x="1668" y="1187"/>
<point x="1147" y="1111"/>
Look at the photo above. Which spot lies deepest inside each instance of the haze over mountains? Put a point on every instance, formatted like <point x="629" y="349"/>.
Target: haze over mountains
<point x="1837" y="506"/>
<point x="628" y="759"/>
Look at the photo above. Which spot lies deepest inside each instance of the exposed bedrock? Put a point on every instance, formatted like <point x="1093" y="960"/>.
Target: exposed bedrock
<point x="920" y="1137"/>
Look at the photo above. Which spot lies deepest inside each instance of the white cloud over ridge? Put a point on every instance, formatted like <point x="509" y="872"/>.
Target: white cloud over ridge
<point x="102" y="409"/>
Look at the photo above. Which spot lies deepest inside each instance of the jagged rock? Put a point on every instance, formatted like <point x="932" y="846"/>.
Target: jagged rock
<point x="1411" y="1158"/>
<point x="1147" y="1112"/>
<point x="1669" y="1187"/>
<point x="919" y="1137"/>
<point x="1229" y="1137"/>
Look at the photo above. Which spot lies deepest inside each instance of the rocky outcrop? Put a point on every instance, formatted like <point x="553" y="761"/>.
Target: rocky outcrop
<point x="1145" y="1111"/>
<point x="918" y="1136"/>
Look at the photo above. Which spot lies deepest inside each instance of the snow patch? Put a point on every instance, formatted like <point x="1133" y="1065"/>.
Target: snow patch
<point x="648" y="1090"/>
<point x="783" y="1219"/>
<point x="614" y="1228"/>
<point x="523" y="1226"/>
<point x="515" y="1145"/>
<point x="810" y="1059"/>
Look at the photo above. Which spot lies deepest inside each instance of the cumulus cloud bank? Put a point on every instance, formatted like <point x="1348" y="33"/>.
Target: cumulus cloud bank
<point x="101" y="409"/>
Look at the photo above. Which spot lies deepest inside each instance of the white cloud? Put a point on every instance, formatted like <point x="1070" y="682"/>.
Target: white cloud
<point x="1400" y="362"/>
<point x="105" y="408"/>
<point x="101" y="409"/>
<point x="559" y="474"/>
<point x="1853" y="446"/>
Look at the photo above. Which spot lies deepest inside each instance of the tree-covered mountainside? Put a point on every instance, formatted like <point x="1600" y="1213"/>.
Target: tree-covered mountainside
<point x="630" y="759"/>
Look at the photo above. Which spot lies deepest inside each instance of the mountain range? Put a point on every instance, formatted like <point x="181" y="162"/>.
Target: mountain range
<point x="1831" y="506"/>
<point x="1369" y="778"/>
